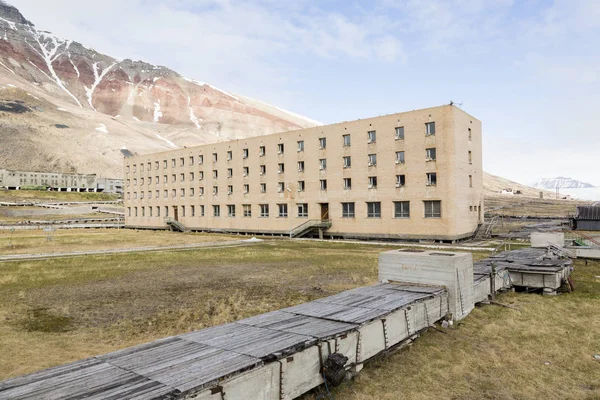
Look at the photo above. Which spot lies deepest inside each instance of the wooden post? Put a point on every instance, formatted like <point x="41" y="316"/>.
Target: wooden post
<point x="493" y="281"/>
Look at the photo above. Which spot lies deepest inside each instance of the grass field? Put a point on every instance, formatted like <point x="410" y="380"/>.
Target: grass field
<point x="61" y="310"/>
<point x="517" y="206"/>
<point x="36" y="241"/>
<point x="43" y="195"/>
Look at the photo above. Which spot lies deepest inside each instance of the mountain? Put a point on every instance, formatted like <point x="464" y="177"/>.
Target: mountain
<point x="493" y="185"/>
<point x="560" y="182"/>
<point x="66" y="107"/>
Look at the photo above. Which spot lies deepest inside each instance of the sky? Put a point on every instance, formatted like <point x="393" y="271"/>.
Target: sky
<point x="528" y="69"/>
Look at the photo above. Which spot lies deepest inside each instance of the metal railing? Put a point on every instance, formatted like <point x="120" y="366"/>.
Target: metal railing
<point x="309" y="225"/>
<point x="172" y="222"/>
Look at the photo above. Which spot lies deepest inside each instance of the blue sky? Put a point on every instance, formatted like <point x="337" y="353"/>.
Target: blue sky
<point x="529" y="69"/>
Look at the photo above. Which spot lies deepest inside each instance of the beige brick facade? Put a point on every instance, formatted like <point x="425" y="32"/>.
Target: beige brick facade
<point x="404" y="201"/>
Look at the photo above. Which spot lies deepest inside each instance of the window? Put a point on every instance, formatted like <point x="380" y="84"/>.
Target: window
<point x="128" y="169"/>
<point x="200" y="160"/>
<point x="347" y="162"/>
<point x="323" y="164"/>
<point x="141" y="167"/>
<point x="192" y="177"/>
<point x="173" y="163"/>
<point x="263" y="169"/>
<point x="215" y="190"/>
<point x="128" y="182"/>
<point x="156" y="165"/>
<point x="191" y="162"/>
<point x="173" y="178"/>
<point x="400" y="180"/>
<point x="166" y="194"/>
<point x="302" y="210"/>
<point x="166" y="211"/>
<point x="301" y="186"/>
<point x="157" y="194"/>
<point x="263" y="188"/>
<point x="247" y="210"/>
<point x="323" y="183"/>
<point x="229" y="155"/>
<point x="215" y="174"/>
<point x="174" y="193"/>
<point x="431" y="179"/>
<point x="201" y="191"/>
<point x="231" y="210"/>
<point x="470" y="134"/>
<point x="374" y="209"/>
<point x="149" y="194"/>
<point x="216" y="211"/>
<point x="399" y="133"/>
<point x="135" y="209"/>
<point x="400" y="157"/>
<point x="280" y="148"/>
<point x="282" y="210"/>
<point x="264" y="210"/>
<point x="322" y="143"/>
<point x="430" y="128"/>
<point x="245" y="153"/>
<point x="371" y="137"/>
<point x="401" y="209"/>
<point x="182" y="162"/>
<point x="229" y="172"/>
<point x="300" y="145"/>
<point x="158" y="211"/>
<point x="347" y="183"/>
<point x="280" y="168"/>
<point x="200" y="175"/>
<point x="372" y="160"/>
<point x="300" y="166"/>
<point x="372" y="182"/>
<point x="143" y="209"/>
<point x="134" y="168"/>
<point x="192" y="192"/>
<point x="202" y="210"/>
<point x="347" y="141"/>
<point x="183" y="211"/>
<point x="470" y="157"/>
<point x="230" y="189"/>
<point x="129" y="211"/>
<point x="262" y="151"/>
<point x="430" y="154"/>
<point x="215" y="157"/>
<point x="470" y="180"/>
<point x="193" y="210"/>
<point x="280" y="187"/>
<point x="246" y="189"/>
<point x="134" y="195"/>
<point x="347" y="210"/>
<point x="182" y="177"/>
<point x="433" y="209"/>
<point x="134" y="181"/>
<point x="165" y="164"/>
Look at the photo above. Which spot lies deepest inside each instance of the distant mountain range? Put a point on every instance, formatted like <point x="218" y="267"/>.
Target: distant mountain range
<point x="561" y="183"/>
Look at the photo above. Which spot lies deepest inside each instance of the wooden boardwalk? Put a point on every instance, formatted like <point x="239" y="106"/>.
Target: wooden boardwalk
<point x="180" y="366"/>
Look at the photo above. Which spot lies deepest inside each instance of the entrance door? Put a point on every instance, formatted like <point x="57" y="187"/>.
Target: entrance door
<point x="324" y="210"/>
<point x="176" y="213"/>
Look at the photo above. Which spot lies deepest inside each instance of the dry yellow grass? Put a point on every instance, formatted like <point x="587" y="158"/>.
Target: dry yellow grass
<point x="518" y="206"/>
<point x="43" y="195"/>
<point x="35" y="241"/>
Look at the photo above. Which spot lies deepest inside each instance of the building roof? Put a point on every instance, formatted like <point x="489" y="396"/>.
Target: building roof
<point x="588" y="213"/>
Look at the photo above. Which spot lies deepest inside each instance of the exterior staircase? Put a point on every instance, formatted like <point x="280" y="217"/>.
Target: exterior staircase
<point x="309" y="226"/>
<point x="175" y="225"/>
<point x="580" y="239"/>
<point x="484" y="231"/>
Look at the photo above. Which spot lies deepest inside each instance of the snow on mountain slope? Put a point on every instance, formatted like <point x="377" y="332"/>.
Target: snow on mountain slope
<point x="160" y="107"/>
<point x="560" y="182"/>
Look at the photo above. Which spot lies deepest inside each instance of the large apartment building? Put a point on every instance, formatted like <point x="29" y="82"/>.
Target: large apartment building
<point x="412" y="175"/>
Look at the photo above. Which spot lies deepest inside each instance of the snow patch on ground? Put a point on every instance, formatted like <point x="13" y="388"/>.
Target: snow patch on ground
<point x="97" y="79"/>
<point x="29" y="94"/>
<point x="102" y="128"/>
<point x="136" y="119"/>
<point x="193" y="117"/>
<point x="5" y="36"/>
<point x="61" y="109"/>
<point x="156" y="78"/>
<point x="171" y="144"/>
<point x="157" y="112"/>
<point x="1" y="63"/>
<point x="9" y="85"/>
<point x="211" y="86"/>
<point x="11" y="24"/>
<point x="73" y="64"/>
<point x="123" y="148"/>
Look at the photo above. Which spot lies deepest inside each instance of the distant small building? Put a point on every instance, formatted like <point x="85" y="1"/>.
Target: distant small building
<point x="510" y="192"/>
<point x="587" y="218"/>
<point x="61" y="182"/>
